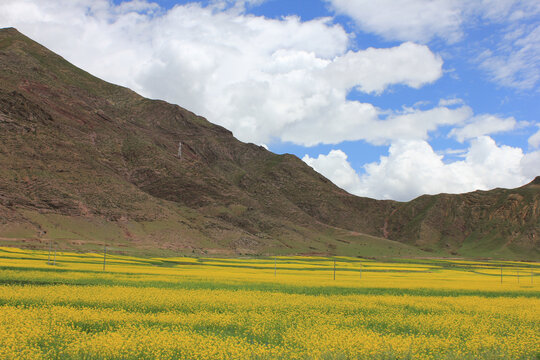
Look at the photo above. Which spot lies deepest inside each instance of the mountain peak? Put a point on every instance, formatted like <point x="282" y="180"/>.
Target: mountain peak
<point x="9" y="30"/>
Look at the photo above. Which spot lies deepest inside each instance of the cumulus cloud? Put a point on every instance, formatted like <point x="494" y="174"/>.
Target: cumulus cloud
<point x="264" y="79"/>
<point x="529" y="164"/>
<point x="415" y="20"/>
<point x="534" y="140"/>
<point x="413" y="168"/>
<point x="373" y="70"/>
<point x="337" y="168"/>
<point x="359" y="121"/>
<point x="483" y="125"/>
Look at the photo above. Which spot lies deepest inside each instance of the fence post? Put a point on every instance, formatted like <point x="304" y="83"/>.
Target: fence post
<point x="334" y="269"/>
<point x="104" y="256"/>
<point x="54" y="261"/>
<point x="275" y="266"/>
<point x="501" y="274"/>
<point x="49" y="258"/>
<point x="360" y="271"/>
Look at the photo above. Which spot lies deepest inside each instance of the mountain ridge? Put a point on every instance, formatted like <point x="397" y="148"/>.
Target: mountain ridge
<point x="78" y="148"/>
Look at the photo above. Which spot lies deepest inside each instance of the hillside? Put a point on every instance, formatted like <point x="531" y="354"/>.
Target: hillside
<point x="85" y="163"/>
<point x="481" y="223"/>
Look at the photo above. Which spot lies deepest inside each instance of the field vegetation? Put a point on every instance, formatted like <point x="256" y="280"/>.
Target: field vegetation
<point x="69" y="307"/>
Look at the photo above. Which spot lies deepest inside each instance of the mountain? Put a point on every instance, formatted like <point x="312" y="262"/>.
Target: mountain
<point x="86" y="163"/>
<point x="481" y="223"/>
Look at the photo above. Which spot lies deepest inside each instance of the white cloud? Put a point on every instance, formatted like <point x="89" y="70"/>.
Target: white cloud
<point x="424" y="20"/>
<point x="453" y="152"/>
<point x="262" y="78"/>
<point x="359" y="121"/>
<point x="237" y="5"/>
<point x="336" y="167"/>
<point x="530" y="164"/>
<point x="412" y="168"/>
<point x="513" y="61"/>
<point x="416" y="20"/>
<point x="373" y="70"/>
<point x="451" y="102"/>
<point x="534" y="140"/>
<point x="417" y="124"/>
<point x="516" y="60"/>
<point x="483" y="125"/>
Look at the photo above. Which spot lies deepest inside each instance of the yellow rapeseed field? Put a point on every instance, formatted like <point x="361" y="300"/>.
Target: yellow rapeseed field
<point x="267" y="308"/>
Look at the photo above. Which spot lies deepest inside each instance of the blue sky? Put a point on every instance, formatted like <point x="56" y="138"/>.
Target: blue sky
<point x="388" y="99"/>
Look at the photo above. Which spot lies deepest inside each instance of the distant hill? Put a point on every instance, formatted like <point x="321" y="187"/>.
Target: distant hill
<point x="87" y="163"/>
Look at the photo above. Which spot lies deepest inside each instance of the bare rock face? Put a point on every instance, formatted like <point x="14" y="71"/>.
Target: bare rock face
<point x="74" y="146"/>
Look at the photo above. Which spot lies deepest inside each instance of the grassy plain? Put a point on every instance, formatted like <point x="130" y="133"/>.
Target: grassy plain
<point x="284" y="307"/>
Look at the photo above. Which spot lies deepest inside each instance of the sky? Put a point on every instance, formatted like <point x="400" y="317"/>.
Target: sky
<point x="389" y="99"/>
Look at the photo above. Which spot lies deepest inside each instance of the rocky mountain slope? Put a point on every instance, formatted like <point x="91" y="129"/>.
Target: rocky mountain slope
<point x="85" y="163"/>
<point x="475" y="223"/>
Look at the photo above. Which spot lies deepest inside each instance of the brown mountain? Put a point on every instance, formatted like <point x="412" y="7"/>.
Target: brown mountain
<point x="85" y="162"/>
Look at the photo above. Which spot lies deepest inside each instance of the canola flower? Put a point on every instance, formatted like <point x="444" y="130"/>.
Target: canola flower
<point x="207" y="309"/>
